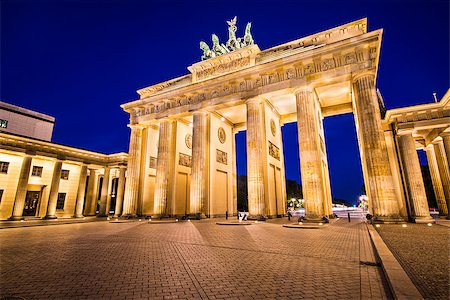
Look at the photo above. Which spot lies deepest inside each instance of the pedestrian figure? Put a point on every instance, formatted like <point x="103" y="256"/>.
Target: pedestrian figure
<point x="348" y="215"/>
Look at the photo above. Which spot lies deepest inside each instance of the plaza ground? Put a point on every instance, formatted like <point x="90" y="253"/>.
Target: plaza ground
<point x="190" y="260"/>
<point x="423" y="252"/>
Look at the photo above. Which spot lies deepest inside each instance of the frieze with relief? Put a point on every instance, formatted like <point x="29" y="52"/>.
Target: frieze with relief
<point x="290" y="72"/>
<point x="274" y="151"/>
<point x="185" y="160"/>
<point x="152" y="162"/>
<point x="221" y="157"/>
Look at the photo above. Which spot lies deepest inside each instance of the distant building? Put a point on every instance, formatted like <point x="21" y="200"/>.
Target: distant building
<point x="25" y="122"/>
<point x="39" y="178"/>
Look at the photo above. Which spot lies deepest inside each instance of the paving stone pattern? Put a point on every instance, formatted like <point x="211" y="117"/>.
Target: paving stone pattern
<point x="189" y="260"/>
<point x="423" y="252"/>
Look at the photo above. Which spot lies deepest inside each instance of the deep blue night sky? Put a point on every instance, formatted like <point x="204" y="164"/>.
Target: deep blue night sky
<point x="79" y="60"/>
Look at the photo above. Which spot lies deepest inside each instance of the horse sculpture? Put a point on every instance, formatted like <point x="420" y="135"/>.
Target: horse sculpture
<point x="233" y="43"/>
<point x="207" y="53"/>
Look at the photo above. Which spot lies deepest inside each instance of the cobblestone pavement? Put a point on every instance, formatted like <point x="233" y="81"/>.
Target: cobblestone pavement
<point x="423" y="252"/>
<point x="190" y="260"/>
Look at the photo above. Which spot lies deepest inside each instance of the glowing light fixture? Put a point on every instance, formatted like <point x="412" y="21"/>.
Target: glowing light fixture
<point x="222" y="119"/>
<point x="320" y="224"/>
<point x="378" y="225"/>
<point x="404" y="225"/>
<point x="429" y="224"/>
<point x="140" y="220"/>
<point x="108" y="218"/>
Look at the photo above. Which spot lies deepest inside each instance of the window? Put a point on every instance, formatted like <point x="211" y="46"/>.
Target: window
<point x="65" y="174"/>
<point x="37" y="171"/>
<point x="4" y="167"/>
<point x="60" y="201"/>
<point x="3" y="123"/>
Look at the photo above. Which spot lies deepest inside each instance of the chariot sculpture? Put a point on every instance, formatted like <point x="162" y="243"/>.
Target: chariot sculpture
<point x="232" y="44"/>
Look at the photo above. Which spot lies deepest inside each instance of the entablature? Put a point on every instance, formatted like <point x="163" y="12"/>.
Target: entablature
<point x="317" y="67"/>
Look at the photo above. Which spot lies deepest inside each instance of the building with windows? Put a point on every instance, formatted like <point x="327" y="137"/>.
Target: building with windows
<point x="39" y="178"/>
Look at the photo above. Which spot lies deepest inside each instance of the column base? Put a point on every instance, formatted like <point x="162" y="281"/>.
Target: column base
<point x="197" y="216"/>
<point x="421" y="220"/>
<point x="257" y="217"/>
<point x="50" y="217"/>
<point x="317" y="220"/>
<point x="127" y="216"/>
<point x="16" y="218"/>
<point x="78" y="216"/>
<point x="159" y="216"/>
<point x="387" y="219"/>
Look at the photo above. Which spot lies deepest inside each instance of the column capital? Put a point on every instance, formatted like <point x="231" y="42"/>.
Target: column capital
<point x="135" y="126"/>
<point x="408" y="131"/>
<point x="305" y="88"/>
<point x="357" y="76"/>
<point x="200" y="112"/>
<point x="257" y="99"/>
<point x="444" y="133"/>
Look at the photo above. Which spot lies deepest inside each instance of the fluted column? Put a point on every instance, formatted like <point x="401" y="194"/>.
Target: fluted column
<point x="233" y="159"/>
<point x="54" y="189"/>
<point x="21" y="193"/>
<point x="81" y="192"/>
<point x="103" y="210"/>
<point x="120" y="191"/>
<point x="310" y="155"/>
<point x="131" y="197"/>
<point x="414" y="181"/>
<point x="165" y="148"/>
<point x="436" y="180"/>
<point x="89" y="209"/>
<point x="200" y="164"/>
<point x="255" y="159"/>
<point x="446" y="140"/>
<point x="444" y="171"/>
<point x="377" y="176"/>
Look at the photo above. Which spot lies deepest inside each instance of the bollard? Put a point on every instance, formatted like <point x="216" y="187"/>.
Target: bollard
<point x="289" y="216"/>
<point x="348" y="216"/>
<point x="226" y="215"/>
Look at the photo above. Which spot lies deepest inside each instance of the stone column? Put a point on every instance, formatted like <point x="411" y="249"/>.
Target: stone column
<point x="81" y="192"/>
<point x="54" y="189"/>
<point x="446" y="140"/>
<point x="436" y="180"/>
<point x="21" y="193"/>
<point x="165" y="149"/>
<point x="200" y="164"/>
<point x="255" y="159"/>
<point x="310" y="155"/>
<point x="89" y="209"/>
<point x="131" y="197"/>
<point x="103" y="210"/>
<point x="414" y="181"/>
<point x="377" y="176"/>
<point x="120" y="192"/>
<point x="444" y="170"/>
<point x="233" y="161"/>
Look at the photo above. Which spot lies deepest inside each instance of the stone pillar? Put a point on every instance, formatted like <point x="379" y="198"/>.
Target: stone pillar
<point x="377" y="172"/>
<point x="89" y="209"/>
<point x="165" y="149"/>
<point x="446" y="140"/>
<point x="131" y="197"/>
<point x="255" y="159"/>
<point x="120" y="192"/>
<point x="81" y="192"/>
<point x="310" y="155"/>
<point x="444" y="170"/>
<point x="418" y="203"/>
<point x="233" y="161"/>
<point x="54" y="189"/>
<point x="200" y="164"/>
<point x="21" y="193"/>
<point x="103" y="210"/>
<point x="436" y="180"/>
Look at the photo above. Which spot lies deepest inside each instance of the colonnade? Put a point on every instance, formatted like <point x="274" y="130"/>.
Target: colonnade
<point x="262" y="148"/>
<point x="86" y="196"/>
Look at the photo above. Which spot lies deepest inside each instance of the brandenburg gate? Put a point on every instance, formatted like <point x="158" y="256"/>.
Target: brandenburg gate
<point x="182" y="157"/>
